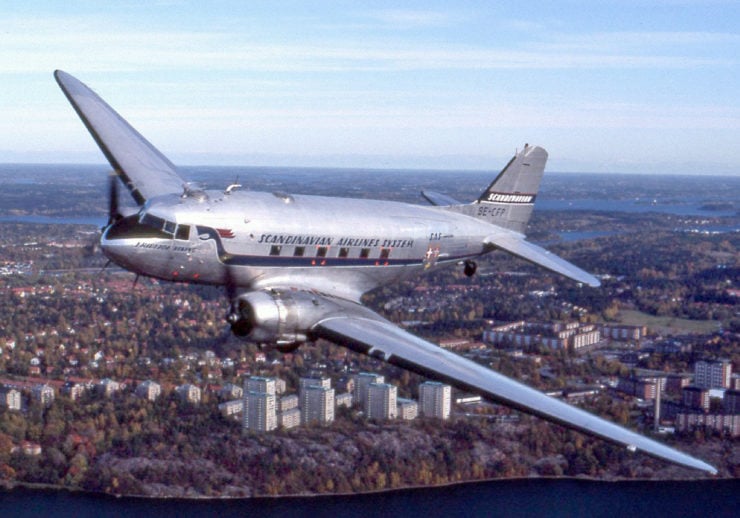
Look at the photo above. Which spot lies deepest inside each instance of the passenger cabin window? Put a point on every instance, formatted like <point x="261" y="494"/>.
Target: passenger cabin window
<point x="299" y="251"/>
<point x="275" y="249"/>
<point x="384" y="253"/>
<point x="364" y="253"/>
<point x="183" y="232"/>
<point x="321" y="251"/>
<point x="344" y="252"/>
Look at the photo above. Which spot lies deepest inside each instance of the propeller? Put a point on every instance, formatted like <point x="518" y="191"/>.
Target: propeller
<point x="238" y="326"/>
<point x="114" y="213"/>
<point x="231" y="294"/>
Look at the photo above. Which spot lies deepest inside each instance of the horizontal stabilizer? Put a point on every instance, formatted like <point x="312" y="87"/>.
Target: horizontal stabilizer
<point x="436" y="198"/>
<point x="535" y="254"/>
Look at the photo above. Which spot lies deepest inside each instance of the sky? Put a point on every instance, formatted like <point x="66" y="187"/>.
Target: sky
<point x="623" y="86"/>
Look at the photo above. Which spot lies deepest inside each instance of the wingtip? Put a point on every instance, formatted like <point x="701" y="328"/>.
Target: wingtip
<point x="62" y="78"/>
<point x="707" y="468"/>
<point x="589" y="280"/>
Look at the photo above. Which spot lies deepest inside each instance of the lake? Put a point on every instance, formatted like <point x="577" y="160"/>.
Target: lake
<point x="510" y="498"/>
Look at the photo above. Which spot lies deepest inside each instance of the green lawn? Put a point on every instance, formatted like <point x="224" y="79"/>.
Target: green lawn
<point x="667" y="325"/>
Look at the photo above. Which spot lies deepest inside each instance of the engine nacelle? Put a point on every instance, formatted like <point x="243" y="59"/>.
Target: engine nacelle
<point x="276" y="317"/>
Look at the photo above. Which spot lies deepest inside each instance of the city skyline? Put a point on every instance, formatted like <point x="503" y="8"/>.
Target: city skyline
<point x="619" y="87"/>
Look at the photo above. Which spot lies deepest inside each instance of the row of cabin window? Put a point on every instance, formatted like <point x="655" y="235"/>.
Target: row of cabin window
<point x="322" y="251"/>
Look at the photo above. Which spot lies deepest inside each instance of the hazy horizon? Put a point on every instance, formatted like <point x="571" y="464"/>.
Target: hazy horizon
<point x="329" y="167"/>
<point x="620" y="86"/>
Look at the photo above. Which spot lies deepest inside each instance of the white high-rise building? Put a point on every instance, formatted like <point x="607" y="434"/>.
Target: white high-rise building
<point x="381" y="402"/>
<point x="362" y="382"/>
<point x="435" y="399"/>
<point x="259" y="412"/>
<point x="313" y="382"/>
<point x="260" y="384"/>
<point x="317" y="405"/>
<point x="713" y="374"/>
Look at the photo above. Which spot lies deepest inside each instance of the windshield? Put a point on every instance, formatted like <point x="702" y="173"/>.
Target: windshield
<point x="145" y="225"/>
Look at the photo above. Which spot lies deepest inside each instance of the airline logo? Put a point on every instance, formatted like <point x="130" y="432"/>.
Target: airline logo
<point x="225" y="233"/>
<point x="503" y="197"/>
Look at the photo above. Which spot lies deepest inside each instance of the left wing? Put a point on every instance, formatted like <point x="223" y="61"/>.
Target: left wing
<point x="142" y="167"/>
<point x="361" y="330"/>
<point x="518" y="246"/>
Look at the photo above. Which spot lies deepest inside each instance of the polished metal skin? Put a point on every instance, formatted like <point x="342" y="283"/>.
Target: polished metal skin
<point x="296" y="266"/>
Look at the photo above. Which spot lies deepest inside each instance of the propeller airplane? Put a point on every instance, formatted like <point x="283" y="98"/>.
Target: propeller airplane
<point x="295" y="266"/>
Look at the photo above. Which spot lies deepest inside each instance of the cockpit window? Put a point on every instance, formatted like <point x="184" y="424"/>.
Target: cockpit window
<point x="152" y="221"/>
<point x="130" y="228"/>
<point x="183" y="232"/>
<point x="169" y="227"/>
<point x="164" y="228"/>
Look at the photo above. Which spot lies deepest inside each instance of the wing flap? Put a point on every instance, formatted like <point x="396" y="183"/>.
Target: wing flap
<point x="369" y="334"/>
<point x="535" y="254"/>
<point x="142" y="167"/>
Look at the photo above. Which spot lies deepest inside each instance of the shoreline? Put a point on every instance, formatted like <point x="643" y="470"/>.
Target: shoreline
<point x="15" y="486"/>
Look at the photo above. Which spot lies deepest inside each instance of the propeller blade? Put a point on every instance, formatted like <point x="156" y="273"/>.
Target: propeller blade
<point x="114" y="213"/>
<point x="230" y="284"/>
<point x="231" y="294"/>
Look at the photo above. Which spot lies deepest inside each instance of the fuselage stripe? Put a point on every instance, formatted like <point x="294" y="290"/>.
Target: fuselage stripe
<point x="230" y="259"/>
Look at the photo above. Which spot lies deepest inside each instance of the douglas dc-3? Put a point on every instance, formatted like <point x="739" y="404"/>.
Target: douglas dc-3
<point x="295" y="266"/>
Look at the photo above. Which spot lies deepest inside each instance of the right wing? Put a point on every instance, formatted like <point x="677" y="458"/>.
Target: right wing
<point x="142" y="167"/>
<point x="362" y="330"/>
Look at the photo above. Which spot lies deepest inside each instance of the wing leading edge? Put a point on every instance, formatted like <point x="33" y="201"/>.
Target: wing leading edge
<point x="141" y="166"/>
<point x="363" y="331"/>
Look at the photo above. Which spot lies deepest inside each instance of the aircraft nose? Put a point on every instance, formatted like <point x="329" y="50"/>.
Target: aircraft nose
<point x="116" y="240"/>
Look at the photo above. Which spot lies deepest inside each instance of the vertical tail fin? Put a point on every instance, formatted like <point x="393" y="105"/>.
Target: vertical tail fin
<point x="509" y="200"/>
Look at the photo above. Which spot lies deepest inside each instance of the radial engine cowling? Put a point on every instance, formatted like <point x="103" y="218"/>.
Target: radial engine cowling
<point x="277" y="317"/>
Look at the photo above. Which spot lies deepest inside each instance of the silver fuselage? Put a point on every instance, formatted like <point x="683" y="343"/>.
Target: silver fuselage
<point x="257" y="240"/>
